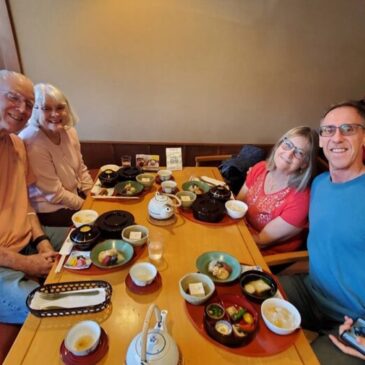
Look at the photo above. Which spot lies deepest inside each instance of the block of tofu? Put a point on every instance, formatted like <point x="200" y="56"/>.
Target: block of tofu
<point x="196" y="289"/>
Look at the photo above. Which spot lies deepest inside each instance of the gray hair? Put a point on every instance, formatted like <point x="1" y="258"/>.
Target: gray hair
<point x="301" y="178"/>
<point x="41" y="91"/>
<point x="6" y="75"/>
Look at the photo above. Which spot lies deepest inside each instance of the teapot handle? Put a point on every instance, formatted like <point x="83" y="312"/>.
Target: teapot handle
<point x="175" y="197"/>
<point x="146" y="323"/>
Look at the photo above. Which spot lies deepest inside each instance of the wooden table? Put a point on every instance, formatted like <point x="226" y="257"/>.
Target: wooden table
<point x="39" y="340"/>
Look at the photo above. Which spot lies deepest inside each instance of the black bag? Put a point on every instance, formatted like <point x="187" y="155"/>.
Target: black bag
<point x="234" y="170"/>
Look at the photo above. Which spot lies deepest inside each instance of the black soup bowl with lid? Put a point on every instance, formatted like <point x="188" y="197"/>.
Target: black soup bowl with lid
<point x="108" y="178"/>
<point x="85" y="237"/>
<point x="220" y="192"/>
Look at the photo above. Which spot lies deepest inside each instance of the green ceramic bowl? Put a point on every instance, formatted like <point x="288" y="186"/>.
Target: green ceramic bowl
<point x="204" y="260"/>
<point x="123" y="248"/>
<point x="197" y="187"/>
<point x="146" y="180"/>
<point x="128" y="188"/>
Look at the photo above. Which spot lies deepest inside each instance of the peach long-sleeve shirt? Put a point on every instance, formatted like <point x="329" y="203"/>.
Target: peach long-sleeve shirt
<point x="59" y="170"/>
<point x="15" y="227"/>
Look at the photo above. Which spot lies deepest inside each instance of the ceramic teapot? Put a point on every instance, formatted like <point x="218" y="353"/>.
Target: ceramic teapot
<point x="162" y="207"/>
<point x="153" y="346"/>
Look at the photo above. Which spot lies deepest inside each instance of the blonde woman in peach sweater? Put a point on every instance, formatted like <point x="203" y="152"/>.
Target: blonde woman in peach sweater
<point x="53" y="147"/>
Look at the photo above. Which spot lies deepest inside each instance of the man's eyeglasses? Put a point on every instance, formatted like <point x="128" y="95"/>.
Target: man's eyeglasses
<point x="288" y="145"/>
<point x="345" y="129"/>
<point x="18" y="99"/>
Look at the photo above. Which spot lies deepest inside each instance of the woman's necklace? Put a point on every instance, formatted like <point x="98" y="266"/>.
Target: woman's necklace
<point x="274" y="183"/>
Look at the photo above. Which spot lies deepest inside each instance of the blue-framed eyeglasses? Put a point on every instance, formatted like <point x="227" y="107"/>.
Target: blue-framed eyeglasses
<point x="346" y="129"/>
<point x="288" y="145"/>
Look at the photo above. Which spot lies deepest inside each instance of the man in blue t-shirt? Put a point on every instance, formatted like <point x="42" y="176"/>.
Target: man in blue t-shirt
<point x="334" y="286"/>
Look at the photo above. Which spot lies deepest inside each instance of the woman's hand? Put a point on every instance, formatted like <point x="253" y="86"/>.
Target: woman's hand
<point x="344" y="348"/>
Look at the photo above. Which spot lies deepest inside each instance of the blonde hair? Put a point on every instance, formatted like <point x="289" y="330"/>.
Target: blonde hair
<point x="41" y="91"/>
<point x="301" y="178"/>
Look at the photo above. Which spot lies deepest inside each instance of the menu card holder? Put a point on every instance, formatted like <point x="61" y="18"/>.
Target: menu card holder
<point x="148" y="162"/>
<point x="174" y="158"/>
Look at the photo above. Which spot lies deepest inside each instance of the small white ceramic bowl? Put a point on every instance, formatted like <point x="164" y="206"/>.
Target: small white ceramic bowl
<point x="187" y="198"/>
<point x="110" y="167"/>
<point x="84" y="216"/>
<point x="146" y="180"/>
<point x="143" y="273"/>
<point x="236" y="209"/>
<point x="168" y="186"/>
<point x="274" y="312"/>
<point x="164" y="174"/>
<point x="128" y="232"/>
<point x="83" y="338"/>
<point x="192" y="278"/>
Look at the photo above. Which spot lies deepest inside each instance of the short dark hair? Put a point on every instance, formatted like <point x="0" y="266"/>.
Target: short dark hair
<point x="358" y="105"/>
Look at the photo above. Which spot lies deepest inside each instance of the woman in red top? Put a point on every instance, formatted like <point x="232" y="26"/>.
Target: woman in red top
<point x="277" y="194"/>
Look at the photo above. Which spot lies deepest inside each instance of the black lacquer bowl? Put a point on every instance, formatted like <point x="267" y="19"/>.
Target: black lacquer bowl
<point x="220" y="192"/>
<point x="113" y="222"/>
<point x="108" y="178"/>
<point x="128" y="173"/>
<point x="85" y="237"/>
<point x="207" y="209"/>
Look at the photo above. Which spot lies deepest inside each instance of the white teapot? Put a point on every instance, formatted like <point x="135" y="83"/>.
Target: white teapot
<point x="162" y="207"/>
<point x="154" y="346"/>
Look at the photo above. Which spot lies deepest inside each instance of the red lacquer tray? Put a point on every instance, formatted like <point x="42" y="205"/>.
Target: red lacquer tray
<point x="264" y="343"/>
<point x="94" y="270"/>
<point x="226" y="221"/>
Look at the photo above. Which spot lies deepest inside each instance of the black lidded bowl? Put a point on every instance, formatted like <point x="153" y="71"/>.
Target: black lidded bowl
<point x="251" y="276"/>
<point x="85" y="237"/>
<point x="128" y="173"/>
<point x="108" y="178"/>
<point x="220" y="192"/>
<point x="112" y="223"/>
<point x="207" y="209"/>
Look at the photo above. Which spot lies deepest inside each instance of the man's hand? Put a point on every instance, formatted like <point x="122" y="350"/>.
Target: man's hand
<point x="344" y="348"/>
<point x="40" y="264"/>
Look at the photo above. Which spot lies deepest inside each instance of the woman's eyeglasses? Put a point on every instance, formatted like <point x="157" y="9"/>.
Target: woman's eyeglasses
<point x="345" y="129"/>
<point x="288" y="145"/>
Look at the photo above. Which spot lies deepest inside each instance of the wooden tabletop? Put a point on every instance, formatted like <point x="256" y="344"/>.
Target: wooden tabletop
<point x="40" y="339"/>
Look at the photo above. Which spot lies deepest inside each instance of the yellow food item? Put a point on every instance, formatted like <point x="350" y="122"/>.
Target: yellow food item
<point x="279" y="316"/>
<point x="257" y="287"/>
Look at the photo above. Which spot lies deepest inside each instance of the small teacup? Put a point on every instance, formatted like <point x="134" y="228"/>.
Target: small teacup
<point x="83" y="338"/>
<point x="169" y="186"/>
<point x="164" y="175"/>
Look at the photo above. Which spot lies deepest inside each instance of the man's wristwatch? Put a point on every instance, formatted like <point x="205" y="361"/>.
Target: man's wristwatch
<point x="39" y="239"/>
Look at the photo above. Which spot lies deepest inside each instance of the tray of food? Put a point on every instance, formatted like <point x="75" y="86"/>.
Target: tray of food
<point x="69" y="298"/>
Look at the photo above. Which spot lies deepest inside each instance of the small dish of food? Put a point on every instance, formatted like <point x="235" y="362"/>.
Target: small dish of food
<point x="128" y="188"/>
<point x="196" y="288"/>
<point x="230" y="320"/>
<point x="236" y="209"/>
<point x="83" y="338"/>
<point x="108" y="178"/>
<point x="187" y="198"/>
<point x="135" y="234"/>
<point x="280" y="316"/>
<point x="196" y="187"/>
<point x="146" y="180"/>
<point x="143" y="273"/>
<point x="221" y="267"/>
<point x="85" y="237"/>
<point x="111" y="253"/>
<point x="258" y="285"/>
<point x="84" y="216"/>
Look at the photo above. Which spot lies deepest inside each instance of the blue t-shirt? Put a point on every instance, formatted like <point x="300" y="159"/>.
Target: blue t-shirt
<point x="336" y="245"/>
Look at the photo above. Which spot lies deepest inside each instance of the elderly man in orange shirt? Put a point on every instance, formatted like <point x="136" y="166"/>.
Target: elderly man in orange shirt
<point x="25" y="251"/>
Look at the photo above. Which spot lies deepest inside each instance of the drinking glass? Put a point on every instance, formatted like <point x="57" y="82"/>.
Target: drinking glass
<point x="155" y="249"/>
<point x="126" y="160"/>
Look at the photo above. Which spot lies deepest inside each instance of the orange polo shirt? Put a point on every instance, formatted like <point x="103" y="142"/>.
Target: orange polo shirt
<point x="15" y="228"/>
